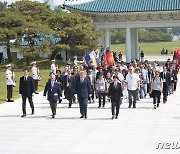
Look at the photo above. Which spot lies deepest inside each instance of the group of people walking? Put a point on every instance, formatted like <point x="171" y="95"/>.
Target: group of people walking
<point x="86" y="82"/>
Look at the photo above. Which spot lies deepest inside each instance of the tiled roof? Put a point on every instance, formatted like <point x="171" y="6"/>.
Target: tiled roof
<point x="39" y="40"/>
<point x="123" y="6"/>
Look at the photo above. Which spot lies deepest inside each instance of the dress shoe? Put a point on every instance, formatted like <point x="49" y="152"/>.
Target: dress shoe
<point x="36" y="93"/>
<point x="129" y="106"/>
<point x="81" y="117"/>
<point x="23" y="115"/>
<point x="53" y="116"/>
<point x="154" y="106"/>
<point x="134" y="107"/>
<point x="85" y="117"/>
<point x="112" y="117"/>
<point x="32" y="112"/>
<point x="99" y="106"/>
<point x="116" y="117"/>
<point x="9" y="100"/>
<point x="157" y="105"/>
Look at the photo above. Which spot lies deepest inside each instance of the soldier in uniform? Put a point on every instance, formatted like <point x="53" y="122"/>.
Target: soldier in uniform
<point x="35" y="76"/>
<point x="53" y="67"/>
<point x="10" y="76"/>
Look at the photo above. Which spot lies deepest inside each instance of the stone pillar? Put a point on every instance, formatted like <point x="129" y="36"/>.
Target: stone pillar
<point x="107" y="38"/>
<point x="128" y="44"/>
<point x="134" y="44"/>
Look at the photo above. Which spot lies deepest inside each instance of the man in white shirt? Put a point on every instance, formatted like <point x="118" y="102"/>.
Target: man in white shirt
<point x="9" y="82"/>
<point x="53" y="67"/>
<point x="133" y="84"/>
<point x="35" y="76"/>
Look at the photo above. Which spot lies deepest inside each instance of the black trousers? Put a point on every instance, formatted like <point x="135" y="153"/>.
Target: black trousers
<point x="53" y="105"/>
<point x="102" y="95"/>
<point x="115" y="106"/>
<point x="132" y="93"/>
<point x="69" y="95"/>
<point x="156" y="96"/>
<point x="83" y="105"/>
<point x="165" y="91"/>
<point x="35" y="84"/>
<point x="175" y="85"/>
<point x="92" y="97"/>
<point x="24" y="97"/>
<point x="9" y="91"/>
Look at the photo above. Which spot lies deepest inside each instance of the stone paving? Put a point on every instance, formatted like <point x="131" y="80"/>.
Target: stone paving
<point x="137" y="131"/>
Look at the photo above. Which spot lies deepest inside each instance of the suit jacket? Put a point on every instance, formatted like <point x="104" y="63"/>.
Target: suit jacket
<point x="168" y="78"/>
<point x="53" y="92"/>
<point x="71" y="82"/>
<point x="83" y="90"/>
<point x="115" y="93"/>
<point x="93" y="83"/>
<point x="26" y="87"/>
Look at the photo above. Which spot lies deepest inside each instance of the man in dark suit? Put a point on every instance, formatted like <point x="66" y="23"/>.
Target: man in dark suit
<point x="166" y="83"/>
<point x="83" y="91"/>
<point x="26" y="90"/>
<point x="54" y="92"/>
<point x="69" y="86"/>
<point x="115" y="93"/>
<point x="92" y="80"/>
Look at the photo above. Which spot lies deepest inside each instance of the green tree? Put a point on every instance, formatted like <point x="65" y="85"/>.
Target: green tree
<point x="25" y="18"/>
<point x="76" y="33"/>
<point x="3" y="5"/>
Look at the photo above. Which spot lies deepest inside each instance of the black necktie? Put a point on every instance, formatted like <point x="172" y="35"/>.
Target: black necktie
<point x="164" y="76"/>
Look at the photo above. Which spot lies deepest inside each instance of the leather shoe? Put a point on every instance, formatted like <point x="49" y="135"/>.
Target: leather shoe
<point x="116" y="117"/>
<point x="53" y="116"/>
<point x="157" y="105"/>
<point x="81" y="117"/>
<point x="23" y="115"/>
<point x="112" y="117"/>
<point x="36" y="93"/>
<point x="32" y="112"/>
<point x="85" y="117"/>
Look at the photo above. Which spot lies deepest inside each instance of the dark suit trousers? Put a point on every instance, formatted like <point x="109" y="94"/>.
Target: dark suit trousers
<point x="83" y="106"/>
<point x="132" y="93"/>
<point x="53" y="105"/>
<point x="24" y="97"/>
<point x="115" y="104"/>
<point x="9" y="91"/>
<point x="69" y="95"/>
<point x="165" y="91"/>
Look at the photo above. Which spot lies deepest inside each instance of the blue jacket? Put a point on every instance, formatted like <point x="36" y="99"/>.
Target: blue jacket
<point x="83" y="90"/>
<point x="53" y="92"/>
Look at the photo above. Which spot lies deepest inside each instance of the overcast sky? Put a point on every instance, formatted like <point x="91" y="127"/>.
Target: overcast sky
<point x="56" y="2"/>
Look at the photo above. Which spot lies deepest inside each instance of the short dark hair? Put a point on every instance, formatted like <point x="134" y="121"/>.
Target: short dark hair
<point x="58" y="71"/>
<point x="115" y="76"/>
<point x="25" y="69"/>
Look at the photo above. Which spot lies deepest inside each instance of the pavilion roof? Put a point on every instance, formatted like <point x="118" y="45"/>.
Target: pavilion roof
<point x="126" y="6"/>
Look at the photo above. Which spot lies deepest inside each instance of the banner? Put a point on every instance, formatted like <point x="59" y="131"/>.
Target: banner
<point x="109" y="58"/>
<point x="177" y="58"/>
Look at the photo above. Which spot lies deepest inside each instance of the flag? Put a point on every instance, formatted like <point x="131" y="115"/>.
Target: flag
<point x="109" y="58"/>
<point x="101" y="53"/>
<point x="97" y="56"/>
<point x="91" y="57"/>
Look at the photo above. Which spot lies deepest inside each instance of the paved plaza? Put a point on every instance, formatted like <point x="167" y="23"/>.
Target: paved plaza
<point x="137" y="131"/>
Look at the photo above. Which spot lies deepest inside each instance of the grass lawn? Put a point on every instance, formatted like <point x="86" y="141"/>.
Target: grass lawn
<point x="18" y="74"/>
<point x="149" y="48"/>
